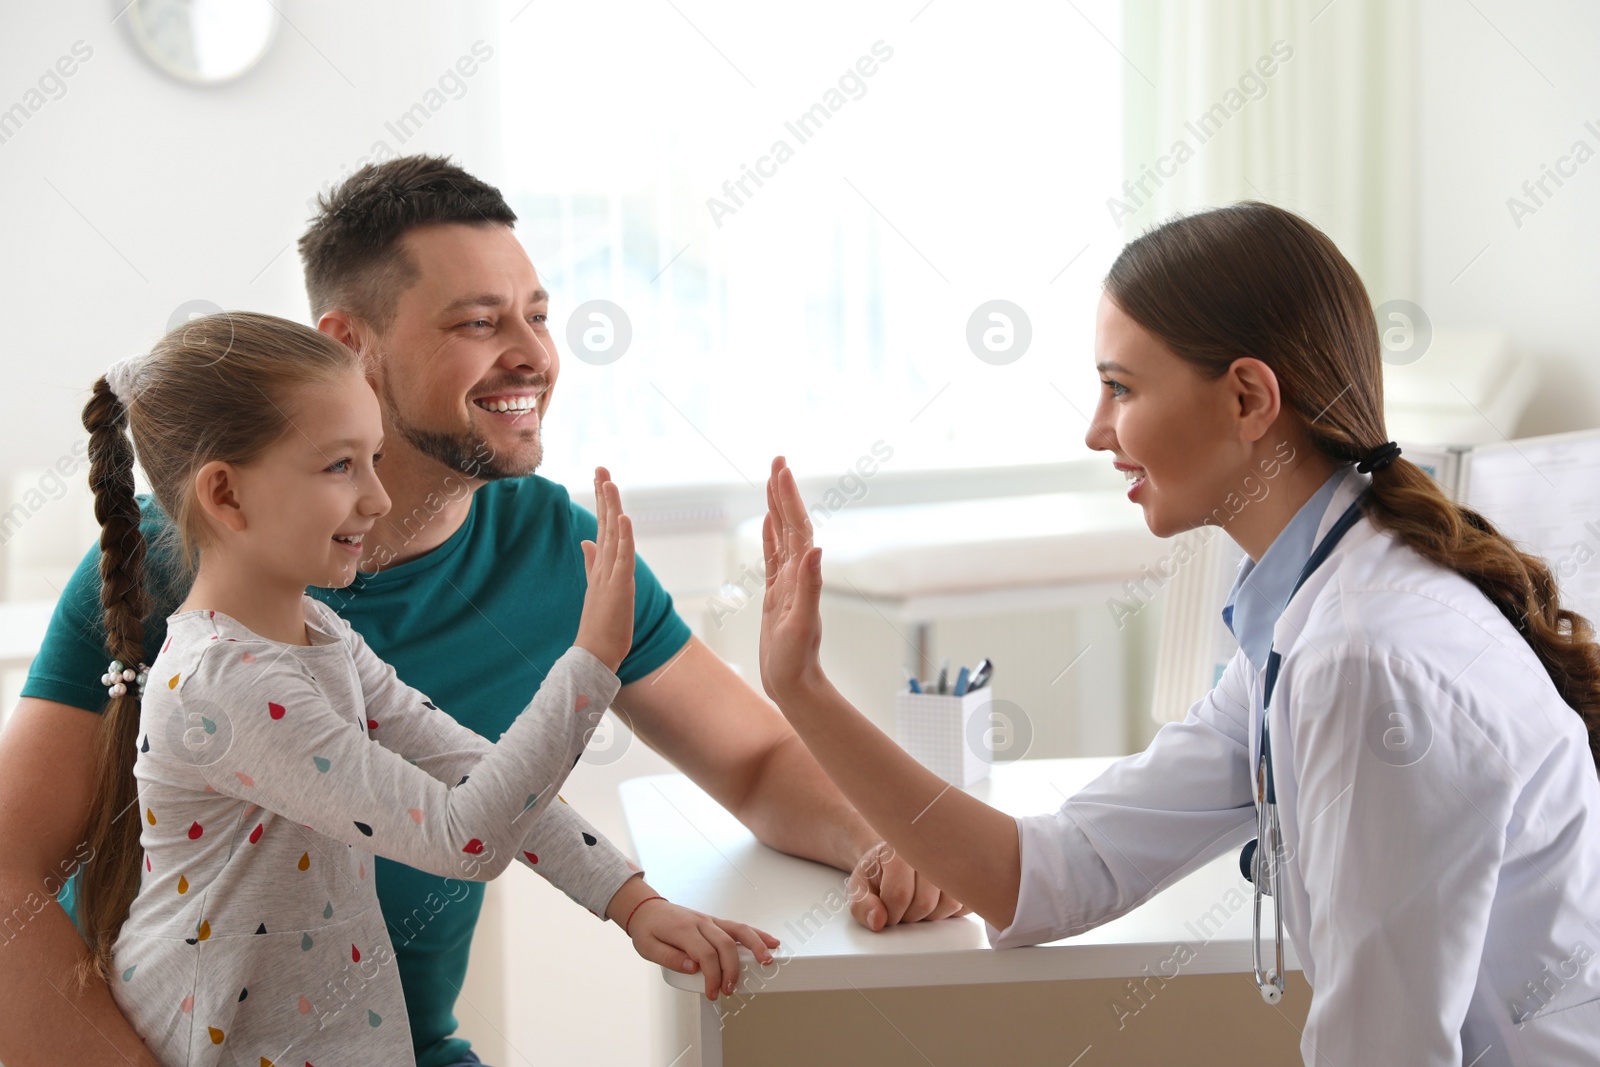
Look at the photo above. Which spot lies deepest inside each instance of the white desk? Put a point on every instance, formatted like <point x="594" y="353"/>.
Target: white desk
<point x="697" y="854"/>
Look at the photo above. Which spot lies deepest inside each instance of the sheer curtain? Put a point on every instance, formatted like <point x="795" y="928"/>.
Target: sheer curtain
<point x="1311" y="106"/>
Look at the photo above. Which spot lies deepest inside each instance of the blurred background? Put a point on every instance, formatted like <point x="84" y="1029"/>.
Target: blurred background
<point x="869" y="237"/>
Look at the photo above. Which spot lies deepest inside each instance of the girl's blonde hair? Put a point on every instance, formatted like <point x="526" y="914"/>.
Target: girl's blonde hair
<point x="222" y="387"/>
<point x="1255" y="280"/>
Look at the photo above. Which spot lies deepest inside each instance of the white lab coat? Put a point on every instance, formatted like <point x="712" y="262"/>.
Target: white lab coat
<point x="1445" y="911"/>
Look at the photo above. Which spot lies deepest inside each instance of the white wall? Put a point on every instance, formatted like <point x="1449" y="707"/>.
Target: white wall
<point x="133" y="192"/>
<point x="1507" y="87"/>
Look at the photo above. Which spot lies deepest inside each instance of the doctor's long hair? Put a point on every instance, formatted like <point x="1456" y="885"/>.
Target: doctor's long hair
<point x="220" y="387"/>
<point x="1255" y="280"/>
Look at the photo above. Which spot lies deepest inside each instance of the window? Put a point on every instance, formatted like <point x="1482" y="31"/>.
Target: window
<point x="798" y="211"/>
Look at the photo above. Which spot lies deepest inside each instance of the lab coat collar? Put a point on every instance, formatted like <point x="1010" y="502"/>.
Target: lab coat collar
<point x="1262" y="588"/>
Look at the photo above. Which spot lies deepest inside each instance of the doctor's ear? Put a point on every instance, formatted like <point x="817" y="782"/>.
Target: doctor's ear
<point x="1255" y="401"/>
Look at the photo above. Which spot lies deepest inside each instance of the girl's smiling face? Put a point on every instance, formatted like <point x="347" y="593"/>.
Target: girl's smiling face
<point x="1177" y="435"/>
<point x="289" y="517"/>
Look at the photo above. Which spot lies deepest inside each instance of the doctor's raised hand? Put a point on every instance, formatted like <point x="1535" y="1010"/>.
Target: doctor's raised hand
<point x="791" y="621"/>
<point x="886" y="887"/>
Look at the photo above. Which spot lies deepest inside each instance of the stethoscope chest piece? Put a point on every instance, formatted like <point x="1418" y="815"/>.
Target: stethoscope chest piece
<point x="1261" y="861"/>
<point x="1265" y="861"/>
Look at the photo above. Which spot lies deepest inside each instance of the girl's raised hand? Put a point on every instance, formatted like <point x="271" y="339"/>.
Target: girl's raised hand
<point x="606" y="627"/>
<point x="687" y="941"/>
<point x="791" y="623"/>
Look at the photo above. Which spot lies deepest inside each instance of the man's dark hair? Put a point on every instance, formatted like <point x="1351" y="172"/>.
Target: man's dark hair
<point x="351" y="251"/>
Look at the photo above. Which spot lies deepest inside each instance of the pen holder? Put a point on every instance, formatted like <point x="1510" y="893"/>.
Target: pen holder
<point x="940" y="732"/>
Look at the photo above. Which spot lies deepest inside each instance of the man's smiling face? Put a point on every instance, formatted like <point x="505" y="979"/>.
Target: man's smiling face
<point x="467" y="364"/>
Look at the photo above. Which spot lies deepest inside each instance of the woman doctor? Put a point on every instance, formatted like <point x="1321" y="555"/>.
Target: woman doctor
<point x="1430" y="712"/>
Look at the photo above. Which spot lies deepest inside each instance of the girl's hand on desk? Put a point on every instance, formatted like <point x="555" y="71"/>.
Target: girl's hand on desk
<point x="791" y="624"/>
<point x="687" y="940"/>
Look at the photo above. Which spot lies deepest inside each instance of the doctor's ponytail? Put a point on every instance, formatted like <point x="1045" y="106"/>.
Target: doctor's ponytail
<point x="1253" y="280"/>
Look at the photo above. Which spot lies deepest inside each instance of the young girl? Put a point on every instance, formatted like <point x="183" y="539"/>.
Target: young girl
<point x="269" y="734"/>
<point x="1407" y="688"/>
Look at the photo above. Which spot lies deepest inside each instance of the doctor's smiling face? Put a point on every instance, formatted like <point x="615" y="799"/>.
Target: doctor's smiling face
<point x="1184" y="441"/>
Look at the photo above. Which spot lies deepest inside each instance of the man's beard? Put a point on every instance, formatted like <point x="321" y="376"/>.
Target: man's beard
<point x="468" y="452"/>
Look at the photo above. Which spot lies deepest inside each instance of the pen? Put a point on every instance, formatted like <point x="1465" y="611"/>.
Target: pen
<point x="981" y="675"/>
<point x="911" y="680"/>
<point x="944" y="674"/>
<point x="961" y="682"/>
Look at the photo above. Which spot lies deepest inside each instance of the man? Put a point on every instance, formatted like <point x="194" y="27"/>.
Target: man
<point x="471" y="587"/>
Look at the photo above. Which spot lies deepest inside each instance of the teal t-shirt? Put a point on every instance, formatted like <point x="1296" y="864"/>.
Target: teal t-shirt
<point x="475" y="623"/>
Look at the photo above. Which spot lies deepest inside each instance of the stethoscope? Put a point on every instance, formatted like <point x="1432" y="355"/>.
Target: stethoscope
<point x="1265" y="865"/>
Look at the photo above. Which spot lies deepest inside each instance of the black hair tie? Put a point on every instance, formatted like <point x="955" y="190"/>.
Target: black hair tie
<point x="1379" y="458"/>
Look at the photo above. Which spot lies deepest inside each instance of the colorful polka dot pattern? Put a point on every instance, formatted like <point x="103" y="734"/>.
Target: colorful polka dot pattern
<point x="214" y="1021"/>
